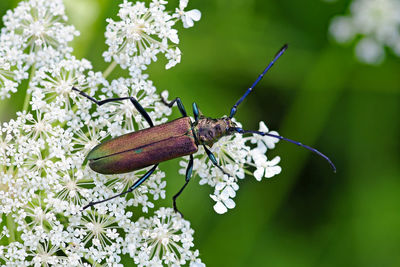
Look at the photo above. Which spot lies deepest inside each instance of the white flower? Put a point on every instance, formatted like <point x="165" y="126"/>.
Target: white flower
<point x="266" y="168"/>
<point x="40" y="23"/>
<point x="235" y="155"/>
<point x="370" y="51"/>
<point x="12" y="67"/>
<point x="174" y="57"/>
<point x="71" y="188"/>
<point x="264" y="142"/>
<point x="342" y="29"/>
<point x="224" y="193"/>
<point x="165" y="238"/>
<point x="187" y="17"/>
<point x="122" y="116"/>
<point x="44" y="181"/>
<point x="51" y="86"/>
<point x="377" y="22"/>
<point x="224" y="202"/>
<point x="141" y="35"/>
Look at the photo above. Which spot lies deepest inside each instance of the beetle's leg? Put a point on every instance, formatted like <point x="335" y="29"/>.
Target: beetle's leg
<point x="99" y="102"/>
<point x="195" y="111"/>
<point x="214" y="160"/>
<point x="178" y="102"/>
<point x="142" y="111"/>
<point x="130" y="189"/>
<point x="139" y="107"/>
<point x="189" y="170"/>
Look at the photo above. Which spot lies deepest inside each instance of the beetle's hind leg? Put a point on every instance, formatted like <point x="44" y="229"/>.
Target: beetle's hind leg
<point x="188" y="175"/>
<point x="137" y="105"/>
<point x="130" y="189"/>
<point x="178" y="102"/>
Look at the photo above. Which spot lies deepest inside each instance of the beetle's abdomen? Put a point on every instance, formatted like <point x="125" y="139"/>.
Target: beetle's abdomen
<point x="143" y="148"/>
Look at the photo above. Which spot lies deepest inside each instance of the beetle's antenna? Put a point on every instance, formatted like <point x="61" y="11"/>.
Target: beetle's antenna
<point x="240" y="130"/>
<point x="280" y="52"/>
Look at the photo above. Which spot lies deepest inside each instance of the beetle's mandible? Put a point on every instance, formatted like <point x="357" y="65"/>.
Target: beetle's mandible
<point x="181" y="137"/>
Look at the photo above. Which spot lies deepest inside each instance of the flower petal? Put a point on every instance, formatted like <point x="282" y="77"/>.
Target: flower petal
<point x="220" y="208"/>
<point x="194" y="14"/>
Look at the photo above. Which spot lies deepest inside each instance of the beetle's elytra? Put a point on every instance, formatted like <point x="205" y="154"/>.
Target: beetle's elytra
<point x="151" y="146"/>
<point x="136" y="150"/>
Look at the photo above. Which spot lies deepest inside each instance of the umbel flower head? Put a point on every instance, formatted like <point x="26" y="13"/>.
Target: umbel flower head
<point x="44" y="180"/>
<point x="376" y="23"/>
<point x="144" y="32"/>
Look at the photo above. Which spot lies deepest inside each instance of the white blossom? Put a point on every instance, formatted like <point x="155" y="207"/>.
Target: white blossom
<point x="224" y="193"/>
<point x="154" y="241"/>
<point x="187" y="17"/>
<point x="375" y="24"/>
<point x="235" y="154"/>
<point x="44" y="177"/>
<point x="266" y="168"/>
<point x="264" y="142"/>
<point x="44" y="180"/>
<point x="40" y="24"/>
<point x="12" y="67"/>
<point x="141" y="34"/>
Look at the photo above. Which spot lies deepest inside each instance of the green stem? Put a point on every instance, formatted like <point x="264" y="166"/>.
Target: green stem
<point x="26" y="101"/>
<point x="11" y="228"/>
<point x="91" y="261"/>
<point x="110" y="68"/>
<point x="28" y="95"/>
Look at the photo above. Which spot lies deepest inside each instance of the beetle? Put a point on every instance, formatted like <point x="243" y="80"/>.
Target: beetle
<point x="180" y="137"/>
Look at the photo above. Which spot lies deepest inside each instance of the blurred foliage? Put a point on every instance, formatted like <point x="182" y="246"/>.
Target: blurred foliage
<point x="317" y="93"/>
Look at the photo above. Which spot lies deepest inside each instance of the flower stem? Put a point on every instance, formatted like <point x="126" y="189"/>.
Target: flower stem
<point x="28" y="95"/>
<point x="110" y="68"/>
<point x="11" y="228"/>
<point x="26" y="101"/>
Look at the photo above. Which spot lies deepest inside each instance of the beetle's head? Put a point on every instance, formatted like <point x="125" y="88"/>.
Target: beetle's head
<point x="210" y="130"/>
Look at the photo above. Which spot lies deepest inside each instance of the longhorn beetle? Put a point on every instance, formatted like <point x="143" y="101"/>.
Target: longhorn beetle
<point x="180" y="137"/>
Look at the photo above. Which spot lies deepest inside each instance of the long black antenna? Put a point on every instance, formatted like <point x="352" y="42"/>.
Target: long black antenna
<point x="240" y="130"/>
<point x="280" y="52"/>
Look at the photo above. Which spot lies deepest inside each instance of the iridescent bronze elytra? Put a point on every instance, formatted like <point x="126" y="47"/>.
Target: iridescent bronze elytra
<point x="180" y="137"/>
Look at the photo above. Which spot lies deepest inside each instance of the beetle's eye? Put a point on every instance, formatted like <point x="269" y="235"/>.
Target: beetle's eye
<point x="218" y="128"/>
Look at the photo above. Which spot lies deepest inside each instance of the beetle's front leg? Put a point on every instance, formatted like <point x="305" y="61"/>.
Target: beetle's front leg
<point x="214" y="160"/>
<point x="139" y="107"/>
<point x="189" y="170"/>
<point x="178" y="102"/>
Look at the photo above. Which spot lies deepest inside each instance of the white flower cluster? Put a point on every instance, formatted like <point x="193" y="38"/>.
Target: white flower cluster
<point x="43" y="179"/>
<point x="235" y="154"/>
<point x="12" y="67"/>
<point x="40" y="24"/>
<point x="156" y="240"/>
<point x="35" y="33"/>
<point x="375" y="24"/>
<point x="144" y="32"/>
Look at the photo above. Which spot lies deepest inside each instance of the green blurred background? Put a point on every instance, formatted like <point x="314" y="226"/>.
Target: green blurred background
<point x="317" y="93"/>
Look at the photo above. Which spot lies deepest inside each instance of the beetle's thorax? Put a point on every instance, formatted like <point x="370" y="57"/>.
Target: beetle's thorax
<point x="208" y="130"/>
